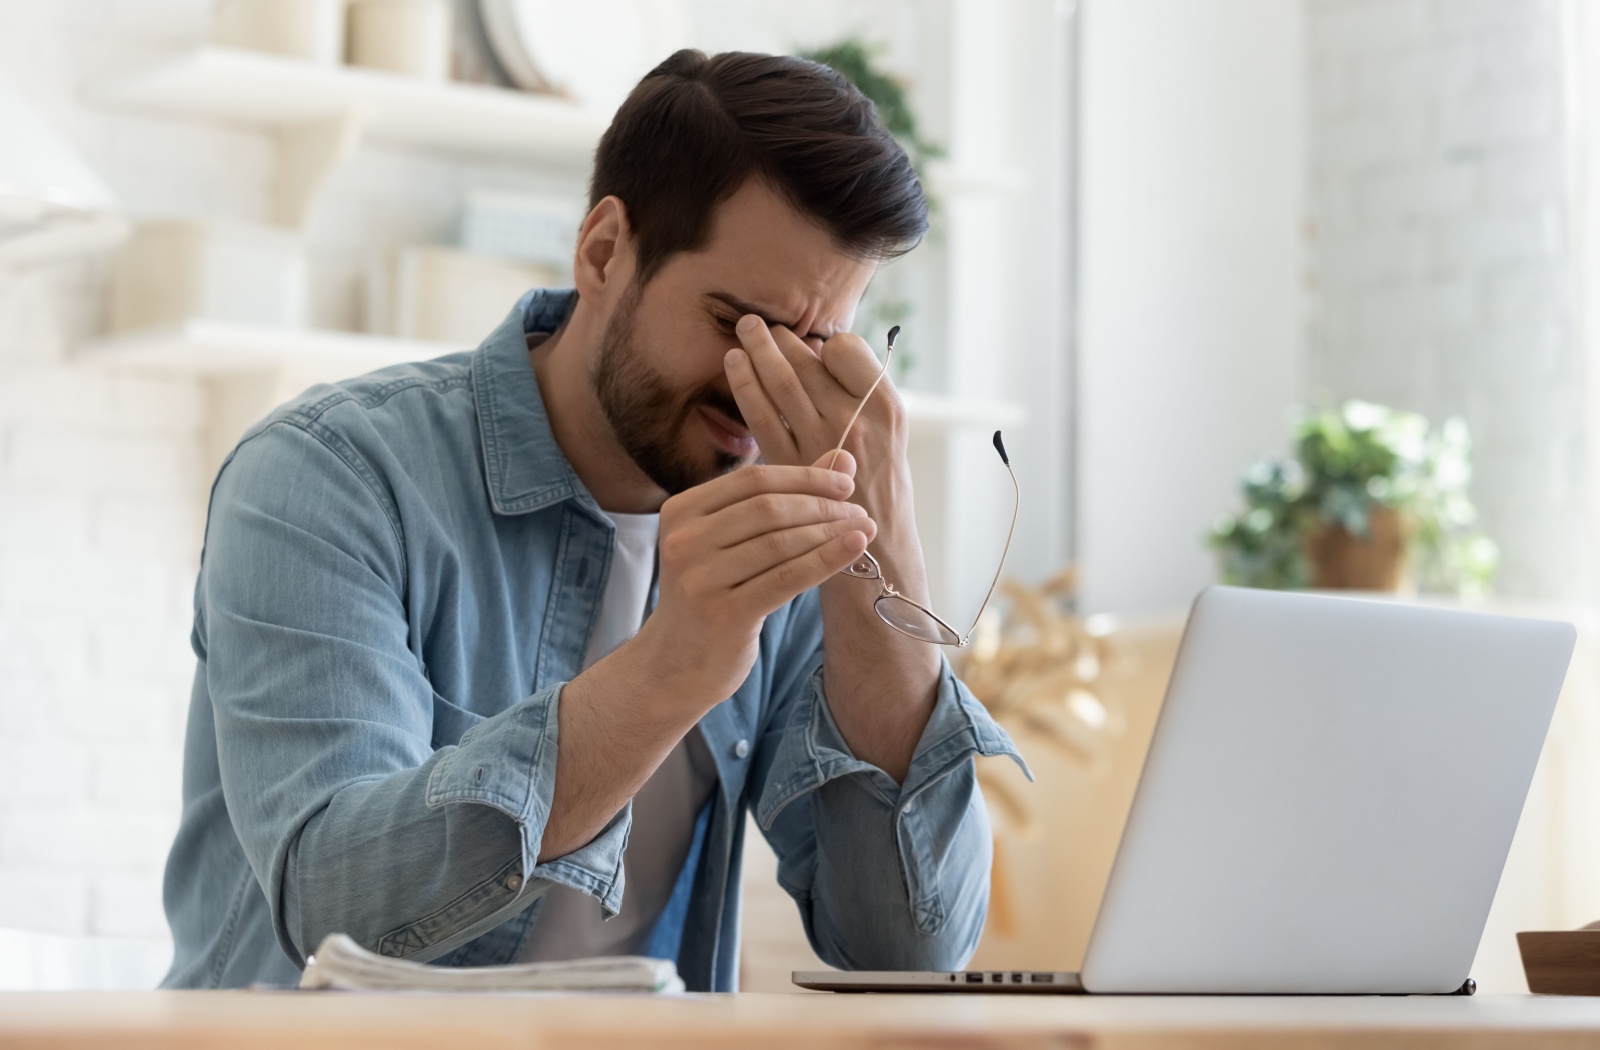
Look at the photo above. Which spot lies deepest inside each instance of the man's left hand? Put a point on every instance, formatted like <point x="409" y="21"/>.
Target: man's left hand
<point x="797" y="401"/>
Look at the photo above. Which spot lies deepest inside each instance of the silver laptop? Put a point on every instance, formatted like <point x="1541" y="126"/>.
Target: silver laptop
<point x="1327" y="803"/>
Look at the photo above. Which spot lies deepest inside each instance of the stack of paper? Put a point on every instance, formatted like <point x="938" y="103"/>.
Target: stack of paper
<point x="343" y="964"/>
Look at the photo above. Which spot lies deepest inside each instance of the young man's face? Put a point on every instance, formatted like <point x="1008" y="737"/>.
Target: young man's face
<point x="659" y="374"/>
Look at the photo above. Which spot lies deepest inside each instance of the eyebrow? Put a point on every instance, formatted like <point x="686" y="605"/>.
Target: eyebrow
<point x="733" y="302"/>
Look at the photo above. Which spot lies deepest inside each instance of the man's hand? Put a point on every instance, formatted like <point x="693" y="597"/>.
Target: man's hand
<point x="732" y="551"/>
<point x="738" y="548"/>
<point x="797" y="401"/>
<point x="880" y="684"/>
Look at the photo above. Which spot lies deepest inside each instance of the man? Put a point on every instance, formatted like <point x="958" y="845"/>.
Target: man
<point x="449" y="700"/>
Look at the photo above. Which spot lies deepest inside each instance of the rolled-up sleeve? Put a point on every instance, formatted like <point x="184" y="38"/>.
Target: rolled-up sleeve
<point x="351" y="819"/>
<point x="887" y="875"/>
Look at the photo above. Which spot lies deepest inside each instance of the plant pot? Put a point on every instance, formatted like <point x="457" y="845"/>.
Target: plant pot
<point x="1377" y="561"/>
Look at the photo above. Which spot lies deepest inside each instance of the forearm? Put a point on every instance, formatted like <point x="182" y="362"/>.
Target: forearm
<point x="377" y="861"/>
<point x="416" y="860"/>
<point x="887" y="875"/>
<point x="881" y="684"/>
<point x="618" y="721"/>
<point x="871" y="910"/>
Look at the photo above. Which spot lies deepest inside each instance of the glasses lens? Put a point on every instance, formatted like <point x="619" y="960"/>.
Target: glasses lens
<point x="864" y="567"/>
<point x="914" y="620"/>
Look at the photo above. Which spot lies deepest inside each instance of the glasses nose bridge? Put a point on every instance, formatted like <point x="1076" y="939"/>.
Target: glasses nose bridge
<point x="865" y="567"/>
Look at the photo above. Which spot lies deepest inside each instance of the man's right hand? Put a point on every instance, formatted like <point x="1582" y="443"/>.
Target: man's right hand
<point x="736" y="549"/>
<point x="733" y="551"/>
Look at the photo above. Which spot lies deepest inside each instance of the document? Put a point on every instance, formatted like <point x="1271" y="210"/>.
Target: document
<point x="340" y="963"/>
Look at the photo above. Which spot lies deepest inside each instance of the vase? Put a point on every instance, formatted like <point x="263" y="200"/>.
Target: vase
<point x="1341" y="560"/>
<point x="409" y="37"/>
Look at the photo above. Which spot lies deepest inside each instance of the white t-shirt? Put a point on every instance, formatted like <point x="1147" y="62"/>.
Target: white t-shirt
<point x="569" y="925"/>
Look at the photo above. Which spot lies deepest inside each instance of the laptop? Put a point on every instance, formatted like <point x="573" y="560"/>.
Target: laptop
<point x="1328" y="800"/>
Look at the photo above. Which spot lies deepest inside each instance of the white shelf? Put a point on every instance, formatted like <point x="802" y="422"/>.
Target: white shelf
<point x="274" y="92"/>
<point x="215" y="348"/>
<point x="207" y="348"/>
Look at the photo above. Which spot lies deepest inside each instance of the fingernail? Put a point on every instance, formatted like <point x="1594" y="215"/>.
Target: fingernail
<point x="732" y="356"/>
<point x="748" y="323"/>
<point x="856" y="510"/>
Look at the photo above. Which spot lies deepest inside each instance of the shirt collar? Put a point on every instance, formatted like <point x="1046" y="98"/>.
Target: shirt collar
<point x="525" y="468"/>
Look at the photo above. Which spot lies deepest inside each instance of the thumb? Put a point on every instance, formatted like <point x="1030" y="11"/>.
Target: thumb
<point x="846" y="463"/>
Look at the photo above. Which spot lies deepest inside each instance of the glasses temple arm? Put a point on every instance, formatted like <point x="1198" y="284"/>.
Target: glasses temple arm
<point x="881" y="373"/>
<point x="1015" y="507"/>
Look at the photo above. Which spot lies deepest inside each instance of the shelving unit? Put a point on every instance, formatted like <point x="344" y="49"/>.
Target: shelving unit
<point x="270" y="91"/>
<point x="215" y="349"/>
<point x="322" y="113"/>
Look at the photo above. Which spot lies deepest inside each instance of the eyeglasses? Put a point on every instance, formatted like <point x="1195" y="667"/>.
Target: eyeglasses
<point x="911" y="618"/>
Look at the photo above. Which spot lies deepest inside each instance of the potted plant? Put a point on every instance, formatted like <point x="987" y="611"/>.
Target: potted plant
<point x="1373" y="499"/>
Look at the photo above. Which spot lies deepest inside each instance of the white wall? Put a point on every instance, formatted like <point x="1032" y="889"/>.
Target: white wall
<point x="1440" y="156"/>
<point x="99" y="489"/>
<point x="1192" y="165"/>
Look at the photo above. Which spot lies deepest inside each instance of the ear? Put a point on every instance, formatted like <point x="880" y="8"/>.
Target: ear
<point x="605" y="260"/>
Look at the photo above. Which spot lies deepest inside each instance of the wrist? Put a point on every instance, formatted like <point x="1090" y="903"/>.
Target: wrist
<point x="673" y="668"/>
<point x="886" y="496"/>
<point x="898" y="551"/>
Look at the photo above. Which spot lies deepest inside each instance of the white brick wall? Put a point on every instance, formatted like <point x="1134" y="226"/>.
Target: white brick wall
<point x="101" y="501"/>
<point x="99" y="487"/>
<point x="1440" y="260"/>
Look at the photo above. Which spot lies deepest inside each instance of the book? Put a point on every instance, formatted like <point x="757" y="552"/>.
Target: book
<point x="340" y="963"/>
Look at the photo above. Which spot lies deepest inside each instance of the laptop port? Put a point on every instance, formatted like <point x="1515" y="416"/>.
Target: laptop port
<point x="974" y="978"/>
<point x="1042" y="978"/>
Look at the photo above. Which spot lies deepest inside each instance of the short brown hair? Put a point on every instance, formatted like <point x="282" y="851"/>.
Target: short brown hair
<point x="696" y="128"/>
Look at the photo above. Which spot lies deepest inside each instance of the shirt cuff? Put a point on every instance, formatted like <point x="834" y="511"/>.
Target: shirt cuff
<point x="508" y="763"/>
<point x="958" y="728"/>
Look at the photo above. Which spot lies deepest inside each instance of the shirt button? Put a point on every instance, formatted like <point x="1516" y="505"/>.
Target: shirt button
<point x="513" y="883"/>
<point x="906" y="808"/>
<point x="741" y="749"/>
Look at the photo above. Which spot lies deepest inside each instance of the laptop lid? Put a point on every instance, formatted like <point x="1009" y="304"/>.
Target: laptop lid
<point x="1328" y="799"/>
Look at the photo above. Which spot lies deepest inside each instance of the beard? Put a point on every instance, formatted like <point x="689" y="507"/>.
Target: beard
<point x="651" y="419"/>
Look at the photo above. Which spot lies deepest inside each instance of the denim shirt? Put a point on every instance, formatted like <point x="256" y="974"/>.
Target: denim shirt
<point x="400" y="573"/>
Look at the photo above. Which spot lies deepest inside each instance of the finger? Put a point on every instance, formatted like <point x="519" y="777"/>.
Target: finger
<point x="760" y="414"/>
<point x="770" y="512"/>
<point x="777" y="377"/>
<point x="821" y="387"/>
<point x="781" y="584"/>
<point x="851" y="363"/>
<point x="741" y="484"/>
<point x="758" y="554"/>
<point x="845" y="464"/>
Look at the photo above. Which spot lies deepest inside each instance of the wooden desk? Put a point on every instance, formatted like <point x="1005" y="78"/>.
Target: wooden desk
<point x="313" y="1021"/>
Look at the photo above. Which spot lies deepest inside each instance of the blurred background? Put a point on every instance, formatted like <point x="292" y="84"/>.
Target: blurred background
<point x="1280" y="292"/>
